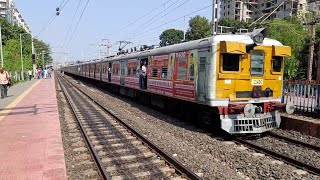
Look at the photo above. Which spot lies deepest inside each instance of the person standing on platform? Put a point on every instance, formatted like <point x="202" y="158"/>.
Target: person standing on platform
<point x="30" y="74"/>
<point x="39" y="73"/>
<point x="4" y="82"/>
<point x="49" y="73"/>
<point x="45" y="73"/>
<point x="42" y="73"/>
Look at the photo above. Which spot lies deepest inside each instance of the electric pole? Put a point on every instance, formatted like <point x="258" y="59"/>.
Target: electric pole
<point x="214" y="17"/>
<point x="2" y="65"/>
<point x="311" y="46"/>
<point x="318" y="64"/>
<point x="43" y="59"/>
<point x="108" y="46"/>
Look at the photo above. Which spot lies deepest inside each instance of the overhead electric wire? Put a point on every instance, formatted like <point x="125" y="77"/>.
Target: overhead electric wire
<point x="72" y="35"/>
<point x="146" y="23"/>
<point x="46" y="26"/>
<point x="74" y="17"/>
<point x="52" y="17"/>
<point x="143" y="16"/>
<point x="205" y="7"/>
<point x="163" y="16"/>
<point x="61" y="7"/>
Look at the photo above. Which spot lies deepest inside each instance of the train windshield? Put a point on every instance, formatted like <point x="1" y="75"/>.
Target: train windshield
<point x="257" y="64"/>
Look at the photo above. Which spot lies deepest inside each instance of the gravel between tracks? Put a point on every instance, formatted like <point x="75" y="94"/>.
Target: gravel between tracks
<point x="203" y="154"/>
<point x="298" y="136"/>
<point x="302" y="154"/>
<point x="80" y="165"/>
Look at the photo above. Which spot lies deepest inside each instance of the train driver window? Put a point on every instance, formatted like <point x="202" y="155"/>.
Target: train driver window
<point x="277" y="63"/>
<point x="230" y="62"/>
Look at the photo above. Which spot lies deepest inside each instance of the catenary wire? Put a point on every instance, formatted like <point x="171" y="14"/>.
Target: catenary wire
<point x="143" y="16"/>
<point x="54" y="15"/>
<point x="72" y="35"/>
<point x="146" y="23"/>
<point x="73" y="19"/>
<point x="185" y="2"/>
<point x="205" y="7"/>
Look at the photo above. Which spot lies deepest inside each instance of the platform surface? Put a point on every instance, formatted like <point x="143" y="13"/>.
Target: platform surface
<point x="30" y="136"/>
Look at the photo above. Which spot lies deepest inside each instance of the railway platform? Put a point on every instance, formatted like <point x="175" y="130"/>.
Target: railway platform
<point x="30" y="135"/>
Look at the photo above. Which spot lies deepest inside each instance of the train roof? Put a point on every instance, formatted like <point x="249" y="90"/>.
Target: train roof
<point x="196" y="44"/>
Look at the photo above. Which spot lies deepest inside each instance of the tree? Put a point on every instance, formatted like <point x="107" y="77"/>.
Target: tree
<point x="199" y="28"/>
<point x="170" y="36"/>
<point x="291" y="32"/>
<point x="40" y="47"/>
<point x="11" y="47"/>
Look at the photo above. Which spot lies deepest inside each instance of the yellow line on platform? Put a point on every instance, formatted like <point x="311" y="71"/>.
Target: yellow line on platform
<point x="14" y="103"/>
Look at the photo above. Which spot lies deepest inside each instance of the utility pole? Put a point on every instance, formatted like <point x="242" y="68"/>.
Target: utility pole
<point x="65" y="58"/>
<point x="22" y="73"/>
<point x="33" y="56"/>
<point x="318" y="64"/>
<point x="108" y="46"/>
<point x="311" y="46"/>
<point x="214" y="17"/>
<point x="43" y="59"/>
<point x="2" y="65"/>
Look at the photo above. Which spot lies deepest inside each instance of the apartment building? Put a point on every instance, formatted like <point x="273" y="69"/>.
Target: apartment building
<point x="9" y="11"/>
<point x="314" y="5"/>
<point x="248" y="10"/>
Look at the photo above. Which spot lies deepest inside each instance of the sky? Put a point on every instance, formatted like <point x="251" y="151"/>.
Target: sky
<point x="137" y="21"/>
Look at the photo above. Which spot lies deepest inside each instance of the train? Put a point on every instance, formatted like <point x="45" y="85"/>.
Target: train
<point x="234" y="81"/>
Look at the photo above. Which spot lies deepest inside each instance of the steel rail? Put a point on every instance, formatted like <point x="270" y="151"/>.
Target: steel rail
<point x="293" y="162"/>
<point x="102" y="168"/>
<point x="294" y="141"/>
<point x="183" y="170"/>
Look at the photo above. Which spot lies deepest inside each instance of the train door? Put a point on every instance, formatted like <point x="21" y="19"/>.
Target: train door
<point x="109" y="72"/>
<point x="123" y="68"/>
<point x="204" y="55"/>
<point x="143" y="79"/>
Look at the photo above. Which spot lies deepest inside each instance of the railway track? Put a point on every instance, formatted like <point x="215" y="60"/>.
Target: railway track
<point x="292" y="161"/>
<point x="293" y="141"/>
<point x="119" y="151"/>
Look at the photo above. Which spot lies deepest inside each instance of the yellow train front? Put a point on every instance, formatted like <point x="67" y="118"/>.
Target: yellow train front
<point x="249" y="83"/>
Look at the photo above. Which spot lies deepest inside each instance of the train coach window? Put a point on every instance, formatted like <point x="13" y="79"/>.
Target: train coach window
<point x="230" y="62"/>
<point x="164" y="72"/>
<point x="154" y="72"/>
<point x="277" y="63"/>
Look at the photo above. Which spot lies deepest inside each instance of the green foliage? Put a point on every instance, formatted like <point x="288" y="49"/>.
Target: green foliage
<point x="41" y="47"/>
<point x="291" y="32"/>
<point x="170" y="36"/>
<point x="199" y="28"/>
<point x="11" y="47"/>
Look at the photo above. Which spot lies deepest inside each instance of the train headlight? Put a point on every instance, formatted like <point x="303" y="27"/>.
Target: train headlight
<point x="258" y="35"/>
<point x="258" y="39"/>
<point x="249" y="110"/>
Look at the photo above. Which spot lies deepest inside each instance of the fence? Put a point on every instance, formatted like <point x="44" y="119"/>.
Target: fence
<point x="305" y="95"/>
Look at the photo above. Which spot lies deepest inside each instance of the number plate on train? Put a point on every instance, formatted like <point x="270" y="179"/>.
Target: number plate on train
<point x="257" y="82"/>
